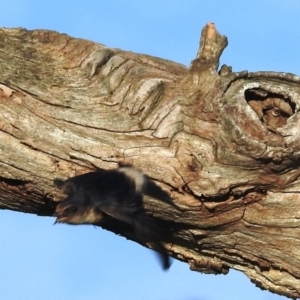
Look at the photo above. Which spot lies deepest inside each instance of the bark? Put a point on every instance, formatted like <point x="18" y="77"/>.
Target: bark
<point x="224" y="144"/>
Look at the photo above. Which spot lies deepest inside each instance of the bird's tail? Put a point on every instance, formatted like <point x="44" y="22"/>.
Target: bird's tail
<point x="148" y="231"/>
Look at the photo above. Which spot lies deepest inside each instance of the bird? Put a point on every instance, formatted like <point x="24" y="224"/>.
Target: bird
<point x="118" y="193"/>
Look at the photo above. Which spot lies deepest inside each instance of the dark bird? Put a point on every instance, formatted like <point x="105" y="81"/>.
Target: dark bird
<point x="117" y="193"/>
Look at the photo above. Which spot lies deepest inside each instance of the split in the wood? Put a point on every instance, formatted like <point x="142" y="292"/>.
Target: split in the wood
<point x="97" y="58"/>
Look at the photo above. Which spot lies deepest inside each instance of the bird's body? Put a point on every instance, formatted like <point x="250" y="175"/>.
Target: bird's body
<point x="117" y="193"/>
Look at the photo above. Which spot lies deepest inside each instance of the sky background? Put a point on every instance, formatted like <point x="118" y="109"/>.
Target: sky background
<point x="42" y="261"/>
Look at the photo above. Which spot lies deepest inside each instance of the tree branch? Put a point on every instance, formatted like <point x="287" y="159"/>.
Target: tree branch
<point x="224" y="144"/>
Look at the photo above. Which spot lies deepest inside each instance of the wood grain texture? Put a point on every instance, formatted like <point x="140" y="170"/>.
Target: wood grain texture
<point x="225" y="145"/>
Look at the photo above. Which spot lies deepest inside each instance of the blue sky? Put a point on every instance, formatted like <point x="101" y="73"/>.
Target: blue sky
<point x="41" y="261"/>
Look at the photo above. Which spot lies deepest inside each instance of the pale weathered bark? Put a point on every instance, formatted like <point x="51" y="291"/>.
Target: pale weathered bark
<point x="225" y="145"/>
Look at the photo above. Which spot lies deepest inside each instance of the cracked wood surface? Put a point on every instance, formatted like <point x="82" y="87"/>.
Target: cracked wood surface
<point x="225" y="145"/>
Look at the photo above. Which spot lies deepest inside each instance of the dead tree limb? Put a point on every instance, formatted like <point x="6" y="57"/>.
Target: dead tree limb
<point x="224" y="144"/>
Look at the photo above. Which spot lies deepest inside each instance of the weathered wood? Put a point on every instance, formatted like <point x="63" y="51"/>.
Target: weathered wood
<point x="225" y="145"/>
